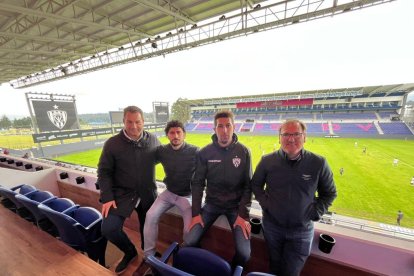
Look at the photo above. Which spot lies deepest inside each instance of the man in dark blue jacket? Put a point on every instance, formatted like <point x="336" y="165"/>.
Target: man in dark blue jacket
<point x="126" y="177"/>
<point x="224" y="166"/>
<point x="292" y="176"/>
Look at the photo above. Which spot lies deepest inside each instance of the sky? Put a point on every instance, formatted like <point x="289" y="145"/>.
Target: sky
<point x="372" y="46"/>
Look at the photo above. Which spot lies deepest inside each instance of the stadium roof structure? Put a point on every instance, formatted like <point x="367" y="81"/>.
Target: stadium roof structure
<point x="44" y="40"/>
<point x="367" y="91"/>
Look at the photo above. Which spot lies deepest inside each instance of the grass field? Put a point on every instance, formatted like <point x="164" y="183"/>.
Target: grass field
<point x="371" y="187"/>
<point x="13" y="141"/>
<point x="21" y="142"/>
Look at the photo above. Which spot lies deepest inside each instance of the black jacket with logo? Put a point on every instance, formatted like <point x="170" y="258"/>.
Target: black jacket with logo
<point x="289" y="199"/>
<point x="226" y="172"/>
<point x="126" y="172"/>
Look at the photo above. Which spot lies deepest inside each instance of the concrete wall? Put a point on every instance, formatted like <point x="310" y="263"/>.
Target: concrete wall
<point x="43" y="180"/>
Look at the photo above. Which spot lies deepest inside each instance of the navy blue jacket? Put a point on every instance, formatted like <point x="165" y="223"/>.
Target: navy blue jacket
<point x="289" y="199"/>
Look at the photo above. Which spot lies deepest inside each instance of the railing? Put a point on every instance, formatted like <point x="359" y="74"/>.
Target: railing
<point x="382" y="228"/>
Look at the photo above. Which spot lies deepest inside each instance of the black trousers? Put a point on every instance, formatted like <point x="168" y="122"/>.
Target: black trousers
<point x="112" y="229"/>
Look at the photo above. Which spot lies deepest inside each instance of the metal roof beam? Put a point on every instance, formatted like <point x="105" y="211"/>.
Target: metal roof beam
<point x="41" y="53"/>
<point x="164" y="10"/>
<point x="273" y="16"/>
<point x="55" y="40"/>
<point x="12" y="61"/>
<point x="41" y="14"/>
<point x="20" y="66"/>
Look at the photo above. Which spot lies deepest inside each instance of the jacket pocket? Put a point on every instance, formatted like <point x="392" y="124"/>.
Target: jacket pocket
<point x="312" y="213"/>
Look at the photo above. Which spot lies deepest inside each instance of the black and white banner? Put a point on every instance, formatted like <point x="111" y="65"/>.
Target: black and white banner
<point x="55" y="115"/>
<point x="54" y="136"/>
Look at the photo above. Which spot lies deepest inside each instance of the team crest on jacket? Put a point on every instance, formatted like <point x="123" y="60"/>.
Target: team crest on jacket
<point x="236" y="161"/>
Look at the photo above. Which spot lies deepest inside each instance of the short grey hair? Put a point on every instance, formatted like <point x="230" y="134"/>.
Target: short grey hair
<point x="293" y="121"/>
<point x="133" y="109"/>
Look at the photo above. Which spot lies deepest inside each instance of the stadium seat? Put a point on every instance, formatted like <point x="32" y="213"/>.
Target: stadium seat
<point x="162" y="269"/>
<point x="4" y="200"/>
<point x="191" y="261"/>
<point x="12" y="203"/>
<point x="59" y="204"/>
<point x="80" y="228"/>
<point x="56" y="204"/>
<point x="30" y="202"/>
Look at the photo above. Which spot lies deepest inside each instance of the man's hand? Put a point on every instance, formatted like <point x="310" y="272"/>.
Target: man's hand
<point x="244" y="225"/>
<point x="107" y="206"/>
<point x="195" y="220"/>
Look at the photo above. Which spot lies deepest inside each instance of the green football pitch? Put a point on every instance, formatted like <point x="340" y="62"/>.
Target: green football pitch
<point x="370" y="188"/>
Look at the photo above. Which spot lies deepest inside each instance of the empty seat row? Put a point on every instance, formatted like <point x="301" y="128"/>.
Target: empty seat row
<point x="79" y="227"/>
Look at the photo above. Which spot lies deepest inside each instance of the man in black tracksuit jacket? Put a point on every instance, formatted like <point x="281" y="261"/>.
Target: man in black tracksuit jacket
<point x="126" y="177"/>
<point x="224" y="167"/>
<point x="292" y="176"/>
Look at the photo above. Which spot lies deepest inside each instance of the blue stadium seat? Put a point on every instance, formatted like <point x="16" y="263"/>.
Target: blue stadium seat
<point x="59" y="204"/>
<point x="4" y="200"/>
<point x="191" y="261"/>
<point x="395" y="128"/>
<point x="162" y="269"/>
<point x="10" y="194"/>
<point x="56" y="204"/>
<point x="30" y="202"/>
<point x="80" y="228"/>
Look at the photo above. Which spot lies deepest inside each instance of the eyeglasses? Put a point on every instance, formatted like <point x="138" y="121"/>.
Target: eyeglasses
<point x="294" y="135"/>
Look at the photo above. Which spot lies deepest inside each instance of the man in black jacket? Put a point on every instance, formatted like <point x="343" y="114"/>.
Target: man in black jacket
<point x="126" y="177"/>
<point x="224" y="166"/>
<point x="179" y="161"/>
<point x="292" y="176"/>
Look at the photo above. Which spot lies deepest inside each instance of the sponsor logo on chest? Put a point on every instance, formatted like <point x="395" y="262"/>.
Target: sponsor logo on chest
<point x="306" y="177"/>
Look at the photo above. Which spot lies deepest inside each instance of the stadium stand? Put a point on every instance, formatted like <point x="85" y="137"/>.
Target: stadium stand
<point x="395" y="128"/>
<point x="266" y="128"/>
<point x="206" y="119"/>
<point x="190" y="126"/>
<point x="246" y="127"/>
<point x="301" y="116"/>
<point x="237" y="126"/>
<point x="245" y="117"/>
<point x="204" y="127"/>
<point x="317" y="128"/>
<point x="387" y="115"/>
<point x="349" y="116"/>
<point x="354" y="128"/>
<point x="361" y="111"/>
<point x="271" y="117"/>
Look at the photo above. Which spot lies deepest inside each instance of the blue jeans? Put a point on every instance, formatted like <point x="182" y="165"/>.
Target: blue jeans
<point x="165" y="201"/>
<point x="209" y="214"/>
<point x="288" y="248"/>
